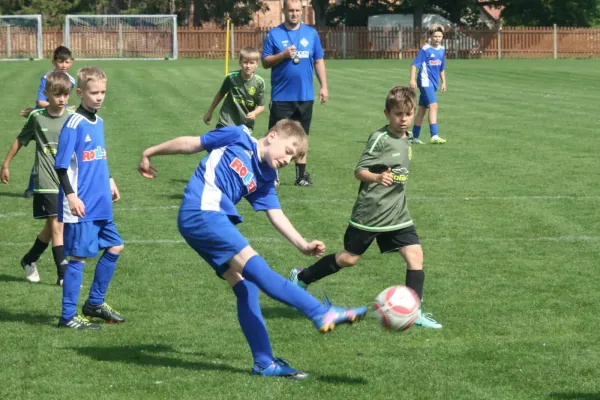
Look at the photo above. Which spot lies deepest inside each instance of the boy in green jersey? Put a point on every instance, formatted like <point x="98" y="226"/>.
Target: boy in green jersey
<point x="243" y="91"/>
<point x="380" y="212"/>
<point x="43" y="126"/>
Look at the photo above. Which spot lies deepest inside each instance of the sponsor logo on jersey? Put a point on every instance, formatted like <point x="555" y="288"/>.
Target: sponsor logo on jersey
<point x="303" y="54"/>
<point x="400" y="175"/>
<point x="88" y="138"/>
<point x="433" y="63"/>
<point x="247" y="176"/>
<point x="252" y="90"/>
<point x="304" y="42"/>
<point x="93" y="155"/>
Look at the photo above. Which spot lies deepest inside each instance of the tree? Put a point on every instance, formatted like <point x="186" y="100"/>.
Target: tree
<point x="241" y="12"/>
<point x="547" y="12"/>
<point x="320" y="8"/>
<point x="357" y="13"/>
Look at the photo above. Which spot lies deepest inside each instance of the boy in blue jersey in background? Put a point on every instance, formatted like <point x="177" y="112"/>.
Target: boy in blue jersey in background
<point x="430" y="63"/>
<point x="62" y="60"/>
<point x="86" y="195"/>
<point x="239" y="166"/>
<point x="294" y="52"/>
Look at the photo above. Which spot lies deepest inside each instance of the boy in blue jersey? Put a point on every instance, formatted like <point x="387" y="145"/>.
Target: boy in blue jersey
<point x="294" y="52"/>
<point x="430" y="63"/>
<point x="86" y="195"/>
<point x="239" y="166"/>
<point x="62" y="60"/>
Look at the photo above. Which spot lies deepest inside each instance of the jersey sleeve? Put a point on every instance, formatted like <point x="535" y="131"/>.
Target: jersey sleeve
<point x="317" y="47"/>
<point x="420" y="58"/>
<point x="264" y="199"/>
<point x="220" y="137"/>
<point x="371" y="156"/>
<point x="41" y="96"/>
<point x="260" y="94"/>
<point x="269" y="45"/>
<point x="28" y="132"/>
<point x="67" y="140"/>
<point x="225" y="86"/>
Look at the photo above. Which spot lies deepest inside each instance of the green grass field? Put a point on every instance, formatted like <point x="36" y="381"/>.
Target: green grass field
<point x="507" y="210"/>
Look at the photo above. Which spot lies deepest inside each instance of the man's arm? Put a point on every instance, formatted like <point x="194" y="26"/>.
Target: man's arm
<point x="180" y="145"/>
<point x="287" y="230"/>
<point x="12" y="152"/>
<point x="322" y="77"/>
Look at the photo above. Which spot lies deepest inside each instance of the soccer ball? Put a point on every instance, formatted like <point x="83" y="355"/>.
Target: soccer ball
<point x="397" y="308"/>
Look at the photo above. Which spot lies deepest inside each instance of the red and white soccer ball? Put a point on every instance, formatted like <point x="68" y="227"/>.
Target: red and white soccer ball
<point x="397" y="308"/>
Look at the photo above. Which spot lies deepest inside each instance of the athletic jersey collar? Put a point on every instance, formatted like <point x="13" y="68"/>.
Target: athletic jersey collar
<point x="88" y="114"/>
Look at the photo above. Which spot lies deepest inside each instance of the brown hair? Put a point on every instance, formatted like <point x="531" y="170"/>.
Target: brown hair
<point x="287" y="128"/>
<point x="402" y="97"/>
<point x="62" y="53"/>
<point x="87" y="74"/>
<point x="58" y="83"/>
<point x="249" y="53"/>
<point x="435" y="28"/>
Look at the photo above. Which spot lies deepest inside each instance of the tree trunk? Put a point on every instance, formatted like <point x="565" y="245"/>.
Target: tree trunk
<point x="320" y="8"/>
<point x="171" y="6"/>
<point x="192" y="14"/>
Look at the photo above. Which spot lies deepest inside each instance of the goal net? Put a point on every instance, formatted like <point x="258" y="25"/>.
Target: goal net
<point x="20" y="37"/>
<point x="150" y="37"/>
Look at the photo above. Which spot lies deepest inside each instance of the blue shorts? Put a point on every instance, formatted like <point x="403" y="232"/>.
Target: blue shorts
<point x="427" y="96"/>
<point x="214" y="237"/>
<point x="86" y="239"/>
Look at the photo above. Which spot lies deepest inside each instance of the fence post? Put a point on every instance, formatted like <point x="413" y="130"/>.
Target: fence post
<point x="499" y="35"/>
<point x="8" y="44"/>
<point x="400" y="43"/>
<point x="554" y="39"/>
<point x="66" y="36"/>
<point x="39" y="41"/>
<point x="344" y="41"/>
<point x="232" y="42"/>
<point x="120" y="44"/>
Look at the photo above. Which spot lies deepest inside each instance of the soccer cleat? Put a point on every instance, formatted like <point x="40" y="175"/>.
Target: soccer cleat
<point x="279" y="367"/>
<point x="304" y="180"/>
<point x="417" y="141"/>
<point x="78" y="322"/>
<point x="31" y="272"/>
<point x="425" y="320"/>
<point x="294" y="278"/>
<point x="102" y="311"/>
<point x="435" y="139"/>
<point x="338" y="315"/>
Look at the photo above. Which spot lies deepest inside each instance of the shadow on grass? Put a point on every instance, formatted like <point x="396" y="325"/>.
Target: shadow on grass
<point x="281" y="312"/>
<point x="341" y="379"/>
<point x="177" y="196"/>
<point x="29" y="318"/>
<point x="575" y="396"/>
<point x="9" y="194"/>
<point x="177" y="180"/>
<point x="152" y="355"/>
<point x="11" y="278"/>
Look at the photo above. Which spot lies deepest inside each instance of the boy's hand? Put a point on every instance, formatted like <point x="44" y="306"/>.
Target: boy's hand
<point x="76" y="205"/>
<point x="443" y="89"/>
<point x="323" y="95"/>
<point x="251" y="115"/>
<point x="146" y="168"/>
<point x="25" y="112"/>
<point x="316" y="248"/>
<point x="4" y="174"/>
<point x="385" y="178"/>
<point x="413" y="83"/>
<point x="207" y="118"/>
<point x="114" y="191"/>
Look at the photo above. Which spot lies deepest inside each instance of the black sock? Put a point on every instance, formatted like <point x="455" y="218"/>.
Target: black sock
<point x="59" y="259"/>
<point x="300" y="170"/>
<point x="415" y="279"/>
<point x="324" y="267"/>
<point x="35" y="252"/>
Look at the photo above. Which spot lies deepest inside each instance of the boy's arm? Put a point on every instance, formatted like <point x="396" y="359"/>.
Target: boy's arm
<point x="67" y="141"/>
<point x="12" y="152"/>
<point x="180" y="145"/>
<point x="208" y="116"/>
<point x="413" y="77"/>
<point x="253" y="114"/>
<point x="443" y="79"/>
<point x="42" y="100"/>
<point x="385" y="178"/>
<point x="284" y="226"/>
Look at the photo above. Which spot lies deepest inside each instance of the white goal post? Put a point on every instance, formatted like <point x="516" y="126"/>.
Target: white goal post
<point x="121" y="37"/>
<point x="21" y="37"/>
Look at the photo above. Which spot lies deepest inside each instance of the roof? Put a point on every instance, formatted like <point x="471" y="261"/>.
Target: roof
<point x="491" y="11"/>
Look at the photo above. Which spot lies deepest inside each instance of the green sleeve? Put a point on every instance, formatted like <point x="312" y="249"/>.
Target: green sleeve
<point x="225" y="86"/>
<point x="260" y="95"/>
<point x="28" y="132"/>
<point x="371" y="155"/>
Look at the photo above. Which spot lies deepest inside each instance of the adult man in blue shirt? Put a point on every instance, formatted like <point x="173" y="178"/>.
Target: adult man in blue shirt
<point x="293" y="50"/>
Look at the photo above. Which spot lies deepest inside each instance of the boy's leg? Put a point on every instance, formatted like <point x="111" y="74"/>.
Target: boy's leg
<point x="29" y="260"/>
<point x="422" y="109"/>
<point x="95" y="306"/>
<point x="51" y="206"/>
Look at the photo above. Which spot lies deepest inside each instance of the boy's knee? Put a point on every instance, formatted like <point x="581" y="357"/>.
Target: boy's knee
<point x="345" y="260"/>
<point x="116" y="249"/>
<point x="413" y="255"/>
<point x="433" y="106"/>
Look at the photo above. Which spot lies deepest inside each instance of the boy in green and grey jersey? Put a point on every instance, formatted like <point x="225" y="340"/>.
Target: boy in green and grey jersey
<point x="380" y="212"/>
<point x="43" y="127"/>
<point x="243" y="91"/>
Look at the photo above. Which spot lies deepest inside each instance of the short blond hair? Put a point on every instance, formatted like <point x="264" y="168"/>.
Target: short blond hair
<point x="58" y="83"/>
<point x="286" y="2"/>
<point x="288" y="128"/>
<point x="249" y="53"/>
<point x="88" y="74"/>
<point x="402" y="97"/>
<point x="435" y="28"/>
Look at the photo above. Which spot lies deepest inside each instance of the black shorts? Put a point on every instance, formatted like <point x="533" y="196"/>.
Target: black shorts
<point x="300" y="111"/>
<point x="45" y="205"/>
<point x="357" y="241"/>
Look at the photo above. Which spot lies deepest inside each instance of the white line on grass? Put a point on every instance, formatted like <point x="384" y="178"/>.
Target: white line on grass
<point x="351" y="199"/>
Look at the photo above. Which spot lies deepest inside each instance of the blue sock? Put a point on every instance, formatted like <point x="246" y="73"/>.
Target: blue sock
<point x="416" y="131"/>
<point x="433" y="129"/>
<point x="71" y="284"/>
<point x="104" y="273"/>
<point x="252" y="323"/>
<point x="277" y="287"/>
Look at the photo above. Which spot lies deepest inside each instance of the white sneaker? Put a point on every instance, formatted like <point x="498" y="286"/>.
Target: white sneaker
<point x="31" y="272"/>
<point x="435" y="139"/>
<point x="417" y="141"/>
